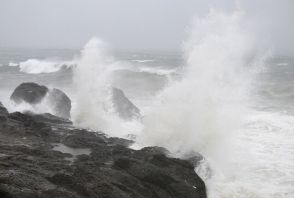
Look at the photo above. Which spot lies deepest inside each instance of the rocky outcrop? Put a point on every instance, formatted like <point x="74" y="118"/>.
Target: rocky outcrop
<point x="124" y="107"/>
<point x="60" y="103"/>
<point x="3" y="113"/>
<point x="56" y="100"/>
<point x="43" y="156"/>
<point x="31" y="93"/>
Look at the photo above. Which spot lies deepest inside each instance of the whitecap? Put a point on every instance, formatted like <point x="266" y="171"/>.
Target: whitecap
<point x="36" y="66"/>
<point x="282" y="64"/>
<point x="12" y="64"/>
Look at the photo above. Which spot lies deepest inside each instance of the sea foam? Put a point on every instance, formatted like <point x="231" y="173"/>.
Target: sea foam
<point x="36" y="66"/>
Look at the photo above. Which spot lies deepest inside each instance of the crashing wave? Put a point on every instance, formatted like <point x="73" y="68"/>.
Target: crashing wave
<point x="282" y="64"/>
<point x="39" y="66"/>
<point x="13" y="64"/>
<point x="143" y="61"/>
<point x="35" y="66"/>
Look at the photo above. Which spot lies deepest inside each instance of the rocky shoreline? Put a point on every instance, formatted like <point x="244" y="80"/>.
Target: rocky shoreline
<point x="45" y="156"/>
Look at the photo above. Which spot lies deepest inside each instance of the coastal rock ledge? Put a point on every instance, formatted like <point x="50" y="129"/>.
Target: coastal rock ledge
<point x="44" y="156"/>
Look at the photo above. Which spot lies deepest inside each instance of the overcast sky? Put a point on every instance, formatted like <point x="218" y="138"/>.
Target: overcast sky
<point x="124" y="24"/>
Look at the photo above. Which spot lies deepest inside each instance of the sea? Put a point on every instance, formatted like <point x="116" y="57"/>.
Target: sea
<point x="221" y="98"/>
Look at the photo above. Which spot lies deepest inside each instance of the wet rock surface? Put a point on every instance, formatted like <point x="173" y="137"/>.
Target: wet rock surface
<point x="60" y="103"/>
<point x="30" y="92"/>
<point x="33" y="93"/>
<point x="124" y="107"/>
<point x="45" y="156"/>
<point x="3" y="113"/>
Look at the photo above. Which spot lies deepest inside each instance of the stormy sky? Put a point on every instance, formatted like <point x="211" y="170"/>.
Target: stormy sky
<point x="128" y="24"/>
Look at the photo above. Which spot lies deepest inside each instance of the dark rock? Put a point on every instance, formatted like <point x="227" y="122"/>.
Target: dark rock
<point x="31" y="166"/>
<point x="155" y="150"/>
<point x="83" y="139"/>
<point x="50" y="119"/>
<point x="3" y="110"/>
<point x="124" y="107"/>
<point x="31" y="93"/>
<point x="55" y="99"/>
<point x="26" y="120"/>
<point x="119" y="141"/>
<point x="60" y="103"/>
<point x="3" y="113"/>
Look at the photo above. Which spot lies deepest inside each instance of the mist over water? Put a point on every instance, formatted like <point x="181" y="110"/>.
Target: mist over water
<point x="207" y="110"/>
<point x="93" y="87"/>
<point x="196" y="113"/>
<point x="210" y="109"/>
<point x="228" y="99"/>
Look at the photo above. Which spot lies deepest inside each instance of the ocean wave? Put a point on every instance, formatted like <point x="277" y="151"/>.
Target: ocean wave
<point x="128" y="66"/>
<point x="36" y="66"/>
<point x="13" y="64"/>
<point x="157" y="71"/>
<point x="148" y="71"/>
<point x="282" y="64"/>
<point x="143" y="61"/>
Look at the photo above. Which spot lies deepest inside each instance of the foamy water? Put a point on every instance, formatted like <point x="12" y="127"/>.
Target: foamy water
<point x="227" y="100"/>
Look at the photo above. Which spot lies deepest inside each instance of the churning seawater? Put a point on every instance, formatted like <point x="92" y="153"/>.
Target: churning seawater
<point x="234" y="108"/>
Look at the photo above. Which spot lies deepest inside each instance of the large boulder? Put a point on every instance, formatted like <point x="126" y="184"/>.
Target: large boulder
<point x="32" y="93"/>
<point x="123" y="106"/>
<point x="3" y="113"/>
<point x="60" y="103"/>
